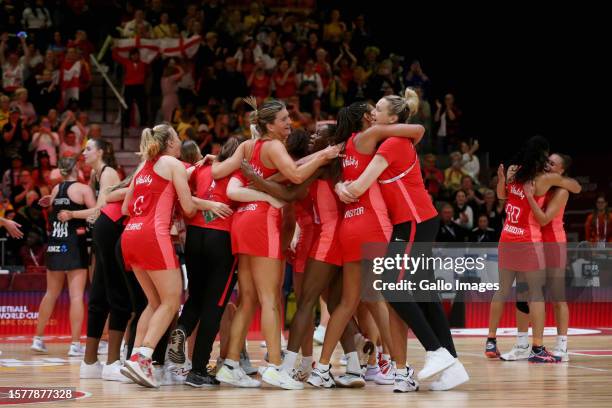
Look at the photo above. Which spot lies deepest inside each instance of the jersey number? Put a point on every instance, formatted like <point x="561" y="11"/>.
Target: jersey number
<point x="60" y="229"/>
<point x="513" y="213"/>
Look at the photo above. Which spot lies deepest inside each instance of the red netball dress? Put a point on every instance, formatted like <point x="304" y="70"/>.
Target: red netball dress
<point x="304" y="219"/>
<point x="520" y="244"/>
<point x="327" y="211"/>
<point x="402" y="184"/>
<point x="256" y="225"/>
<point x="366" y="220"/>
<point x="554" y="238"/>
<point x="146" y="241"/>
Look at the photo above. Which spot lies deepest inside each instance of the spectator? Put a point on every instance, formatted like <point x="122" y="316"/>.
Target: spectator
<point x="204" y="139"/>
<point x="36" y="19"/>
<point x="57" y="47"/>
<point x="164" y="28"/>
<point x="423" y="117"/>
<point x="254" y="18"/>
<point x="333" y="32"/>
<point x="337" y="92"/>
<point x="360" y="36"/>
<point x="46" y="140"/>
<point x="382" y="83"/>
<point x="82" y="43"/>
<point x="323" y="68"/>
<point x="28" y="113"/>
<point x="138" y="23"/>
<point x="454" y="173"/>
<point x="20" y="191"/>
<point x="5" y="113"/>
<point x="210" y="50"/>
<point x="463" y="213"/>
<point x="42" y="173"/>
<point x="33" y="253"/>
<point x="449" y="231"/>
<point x="45" y="95"/>
<point x="598" y="224"/>
<point x="370" y="63"/>
<point x="95" y="132"/>
<point x="448" y="119"/>
<point x="310" y="86"/>
<point x="13" y="69"/>
<point x="15" y="136"/>
<point x="483" y="233"/>
<point x="10" y="178"/>
<point x="309" y="50"/>
<point x="69" y="144"/>
<point x="474" y="197"/>
<point x="5" y="206"/>
<point x="155" y="13"/>
<point x="135" y="71"/>
<point x="357" y="87"/>
<point x="73" y="76"/>
<point x="233" y="26"/>
<point x="260" y="83"/>
<point x="416" y="77"/>
<point x="169" y="87"/>
<point x="471" y="164"/>
<point x="30" y="216"/>
<point x="432" y="176"/>
<point x="493" y="209"/>
<point x="285" y="82"/>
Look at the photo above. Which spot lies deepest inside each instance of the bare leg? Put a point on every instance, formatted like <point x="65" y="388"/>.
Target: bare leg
<point x="55" y="284"/>
<point x="77" y="279"/>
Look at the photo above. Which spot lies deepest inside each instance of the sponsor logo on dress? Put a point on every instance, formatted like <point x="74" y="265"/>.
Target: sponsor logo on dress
<point x="249" y="207"/>
<point x="57" y="249"/>
<point x="354" y="212"/>
<point x="349" y="161"/>
<point x="144" y="179"/>
<point x="518" y="192"/>
<point x="514" y="230"/>
<point x="61" y="201"/>
<point x="137" y="226"/>
<point x="257" y="170"/>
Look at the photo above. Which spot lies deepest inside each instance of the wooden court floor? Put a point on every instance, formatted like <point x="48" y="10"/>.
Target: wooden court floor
<point x="586" y="381"/>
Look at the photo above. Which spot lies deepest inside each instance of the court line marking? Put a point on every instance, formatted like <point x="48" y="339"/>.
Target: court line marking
<point x="588" y="368"/>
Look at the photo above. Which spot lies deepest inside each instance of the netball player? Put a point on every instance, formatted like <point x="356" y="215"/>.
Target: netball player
<point x="256" y="240"/>
<point x="396" y="168"/>
<point x="66" y="255"/>
<point x="520" y="247"/>
<point x="322" y="266"/>
<point x="553" y="235"/>
<point x="146" y="242"/>
<point x="364" y="221"/>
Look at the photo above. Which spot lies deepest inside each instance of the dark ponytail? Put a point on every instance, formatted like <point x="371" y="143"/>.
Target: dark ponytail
<point x="531" y="159"/>
<point x="349" y="120"/>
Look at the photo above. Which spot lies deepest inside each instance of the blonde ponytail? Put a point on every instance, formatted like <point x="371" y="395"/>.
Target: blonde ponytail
<point x="262" y="116"/>
<point x="154" y="142"/>
<point x="412" y="101"/>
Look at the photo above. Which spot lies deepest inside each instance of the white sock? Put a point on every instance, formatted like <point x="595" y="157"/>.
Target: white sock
<point x="402" y="371"/>
<point x="135" y="350"/>
<point x="307" y="363"/>
<point x="38" y="338"/>
<point x="379" y="349"/>
<point x="353" y="365"/>
<point x="522" y="339"/>
<point x="372" y="366"/>
<point x="231" y="363"/>
<point x="562" y="343"/>
<point x="323" y="367"/>
<point x="386" y="357"/>
<point x="290" y="359"/>
<point x="147" y="352"/>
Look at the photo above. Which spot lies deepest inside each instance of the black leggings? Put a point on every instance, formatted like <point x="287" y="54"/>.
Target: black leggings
<point x="426" y="319"/>
<point x="211" y="274"/>
<point x="108" y="293"/>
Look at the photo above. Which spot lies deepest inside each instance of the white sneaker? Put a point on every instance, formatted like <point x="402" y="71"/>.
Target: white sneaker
<point x="452" y="377"/>
<point x="321" y="379"/>
<point x="91" y="371"/>
<point x="281" y="378"/>
<point x="112" y="372"/>
<point x="170" y="374"/>
<point x="364" y="348"/>
<point x="435" y="362"/>
<point x="387" y="378"/>
<point x="372" y="372"/>
<point x="557" y="352"/>
<point x="350" y="380"/>
<point x="319" y="334"/>
<point x="344" y="360"/>
<point x="76" y="350"/>
<point x="123" y="353"/>
<point x="103" y="347"/>
<point x="38" y="345"/>
<point x="517" y="353"/>
<point x="405" y="383"/>
<point x="236" y="377"/>
<point x="283" y="341"/>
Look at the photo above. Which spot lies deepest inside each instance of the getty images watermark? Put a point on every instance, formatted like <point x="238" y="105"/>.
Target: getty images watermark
<point x="470" y="272"/>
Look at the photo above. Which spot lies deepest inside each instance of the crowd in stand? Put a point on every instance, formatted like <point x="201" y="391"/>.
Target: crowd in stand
<point x="315" y="60"/>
